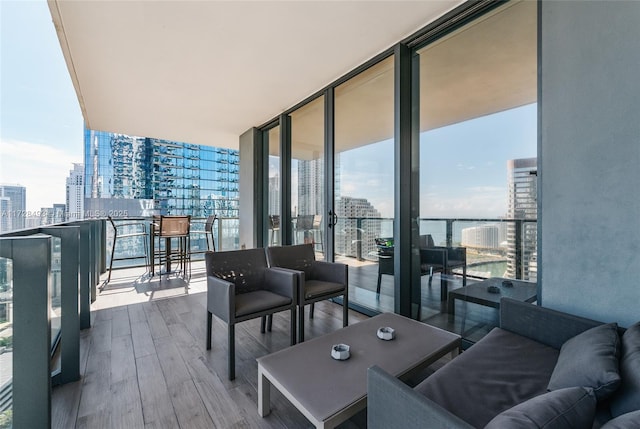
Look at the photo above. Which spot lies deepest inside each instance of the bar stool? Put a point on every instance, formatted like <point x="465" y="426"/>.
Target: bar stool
<point x="124" y="231"/>
<point x="170" y="228"/>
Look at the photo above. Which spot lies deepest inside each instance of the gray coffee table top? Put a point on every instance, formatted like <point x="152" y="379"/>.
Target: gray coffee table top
<point x="478" y="293"/>
<point x="308" y="375"/>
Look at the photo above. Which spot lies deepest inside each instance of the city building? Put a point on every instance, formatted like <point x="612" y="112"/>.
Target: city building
<point x="522" y="205"/>
<point x="491" y="236"/>
<point x="52" y="215"/>
<point x="357" y="232"/>
<point x="75" y="193"/>
<point x="13" y="203"/>
<point x="128" y="176"/>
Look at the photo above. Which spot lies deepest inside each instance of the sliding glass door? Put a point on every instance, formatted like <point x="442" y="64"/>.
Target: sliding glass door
<point x="478" y="144"/>
<point x="363" y="186"/>
<point x="308" y="208"/>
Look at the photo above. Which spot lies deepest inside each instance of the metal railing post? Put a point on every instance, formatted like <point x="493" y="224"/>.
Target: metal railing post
<point x="359" y="238"/>
<point x="518" y="249"/>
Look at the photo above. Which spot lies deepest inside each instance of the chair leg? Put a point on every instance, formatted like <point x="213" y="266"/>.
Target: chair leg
<point x="430" y="275"/>
<point x="379" y="281"/>
<point x="263" y="323"/>
<point x="269" y="322"/>
<point x="313" y="306"/>
<point x="464" y="275"/>
<point x="232" y="352"/>
<point x="293" y="325"/>
<point x="209" y="322"/>
<point x="301" y="323"/>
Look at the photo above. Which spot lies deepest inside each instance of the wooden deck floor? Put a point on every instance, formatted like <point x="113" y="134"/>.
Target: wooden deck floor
<point x="144" y="363"/>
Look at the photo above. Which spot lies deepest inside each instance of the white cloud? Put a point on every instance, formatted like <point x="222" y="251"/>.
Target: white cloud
<point x="42" y="169"/>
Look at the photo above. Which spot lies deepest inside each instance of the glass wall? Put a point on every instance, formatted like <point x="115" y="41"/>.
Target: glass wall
<point x="127" y="176"/>
<point x="273" y="204"/>
<point x="478" y="143"/>
<point x="364" y="190"/>
<point x="307" y="175"/>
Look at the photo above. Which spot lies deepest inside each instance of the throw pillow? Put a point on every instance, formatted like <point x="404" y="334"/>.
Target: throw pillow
<point x="574" y="407"/>
<point x="625" y="421"/>
<point x="627" y="398"/>
<point x="589" y="359"/>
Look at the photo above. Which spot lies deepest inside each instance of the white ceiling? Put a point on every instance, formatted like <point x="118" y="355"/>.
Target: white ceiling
<point x="204" y="72"/>
<point x="487" y="66"/>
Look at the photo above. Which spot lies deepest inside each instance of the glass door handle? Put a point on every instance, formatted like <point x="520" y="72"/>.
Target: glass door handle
<point x="333" y="219"/>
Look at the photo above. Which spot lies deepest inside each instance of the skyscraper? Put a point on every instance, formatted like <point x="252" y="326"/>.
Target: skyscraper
<point x="127" y="176"/>
<point x="522" y="204"/>
<point x="357" y="232"/>
<point x="75" y="193"/>
<point x="13" y="203"/>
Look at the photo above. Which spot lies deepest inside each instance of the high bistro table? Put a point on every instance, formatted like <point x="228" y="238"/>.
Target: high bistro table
<point x="329" y="391"/>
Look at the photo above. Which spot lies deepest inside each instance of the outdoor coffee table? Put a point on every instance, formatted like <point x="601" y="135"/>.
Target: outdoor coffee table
<point x="329" y="391"/>
<point x="478" y="293"/>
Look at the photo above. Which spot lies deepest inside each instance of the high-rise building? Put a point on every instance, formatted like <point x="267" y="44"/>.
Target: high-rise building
<point x="274" y="195"/>
<point x="13" y="203"/>
<point x="490" y="236"/>
<point x="75" y="193"/>
<point x="310" y="186"/>
<point x="127" y="176"/>
<point x="357" y="232"/>
<point x="522" y="205"/>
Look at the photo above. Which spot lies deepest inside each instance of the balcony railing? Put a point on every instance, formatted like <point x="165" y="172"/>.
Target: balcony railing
<point x="49" y="276"/>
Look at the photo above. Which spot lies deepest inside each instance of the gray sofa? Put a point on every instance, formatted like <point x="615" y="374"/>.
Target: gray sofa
<point x="540" y="368"/>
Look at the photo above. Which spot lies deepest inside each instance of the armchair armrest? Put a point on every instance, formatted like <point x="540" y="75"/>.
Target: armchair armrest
<point x="391" y="403"/>
<point x="330" y="272"/>
<point x="546" y="326"/>
<point x="282" y="281"/>
<point x="221" y="298"/>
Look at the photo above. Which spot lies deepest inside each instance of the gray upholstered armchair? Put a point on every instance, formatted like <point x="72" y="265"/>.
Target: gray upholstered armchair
<point x="240" y="286"/>
<point x="317" y="280"/>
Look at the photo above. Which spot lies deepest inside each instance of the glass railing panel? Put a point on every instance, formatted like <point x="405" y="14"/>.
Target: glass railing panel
<point x="6" y="342"/>
<point x="130" y="242"/>
<point x="55" y="292"/>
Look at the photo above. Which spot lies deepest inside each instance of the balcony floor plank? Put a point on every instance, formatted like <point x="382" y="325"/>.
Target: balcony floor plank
<point x="144" y="362"/>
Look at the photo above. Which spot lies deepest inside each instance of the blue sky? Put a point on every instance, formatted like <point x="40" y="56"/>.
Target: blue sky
<point x="41" y="134"/>
<point x="463" y="166"/>
<point x="41" y="125"/>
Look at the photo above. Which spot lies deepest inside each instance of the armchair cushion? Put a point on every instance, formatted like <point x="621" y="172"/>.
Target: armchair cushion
<point x="627" y="398"/>
<point x="314" y="288"/>
<point x="573" y="407"/>
<point x="255" y="302"/>
<point x="589" y="359"/>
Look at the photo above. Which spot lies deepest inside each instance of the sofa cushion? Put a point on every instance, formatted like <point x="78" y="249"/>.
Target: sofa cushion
<point x="590" y="359"/>
<point x="573" y="407"/>
<point x="499" y="371"/>
<point x="627" y="397"/>
<point x="626" y="421"/>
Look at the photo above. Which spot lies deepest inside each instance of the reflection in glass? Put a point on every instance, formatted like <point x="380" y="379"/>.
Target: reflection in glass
<point x="6" y="337"/>
<point x="273" y="209"/>
<point x="56" y="290"/>
<point x="364" y="171"/>
<point x="307" y="172"/>
<point x="478" y="143"/>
